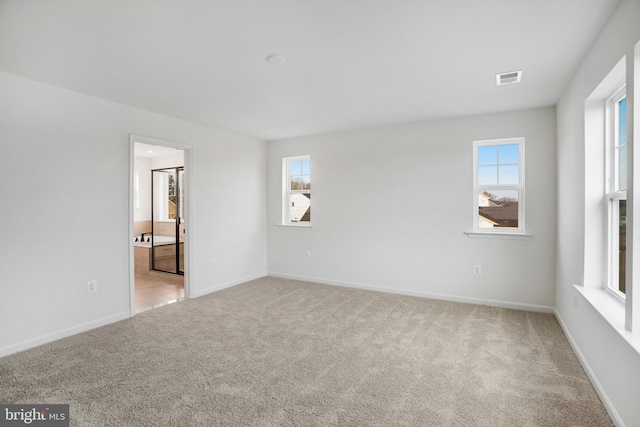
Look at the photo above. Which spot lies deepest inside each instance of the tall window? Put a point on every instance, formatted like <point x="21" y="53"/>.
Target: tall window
<point x="297" y="190"/>
<point x="617" y="190"/>
<point x="168" y="193"/>
<point x="498" y="185"/>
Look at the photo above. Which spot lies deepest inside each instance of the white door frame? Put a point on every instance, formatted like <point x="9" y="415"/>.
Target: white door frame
<point x="188" y="207"/>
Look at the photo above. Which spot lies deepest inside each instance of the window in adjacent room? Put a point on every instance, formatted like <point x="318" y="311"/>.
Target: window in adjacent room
<point x="617" y="190"/>
<point x="297" y="190"/>
<point x="498" y="185"/>
<point x="166" y="205"/>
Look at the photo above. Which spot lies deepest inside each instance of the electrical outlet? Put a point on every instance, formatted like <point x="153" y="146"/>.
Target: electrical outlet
<point x="92" y="286"/>
<point x="308" y="254"/>
<point x="212" y="262"/>
<point x="575" y="299"/>
<point x="477" y="270"/>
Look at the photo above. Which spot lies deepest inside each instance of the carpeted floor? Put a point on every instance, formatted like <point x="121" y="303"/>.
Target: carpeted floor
<point x="274" y="352"/>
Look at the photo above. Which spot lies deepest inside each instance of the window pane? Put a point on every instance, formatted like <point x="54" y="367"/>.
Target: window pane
<point x="181" y="191"/>
<point x="487" y="155"/>
<point x="622" y="245"/>
<point x="487" y="175"/>
<point x="508" y="154"/>
<point x="622" y="121"/>
<point x="498" y="209"/>
<point x="306" y="167"/>
<point x="622" y="168"/>
<point x="296" y="183"/>
<point x="508" y="175"/>
<point x="300" y="207"/>
<point x="296" y="167"/>
<point x="305" y="182"/>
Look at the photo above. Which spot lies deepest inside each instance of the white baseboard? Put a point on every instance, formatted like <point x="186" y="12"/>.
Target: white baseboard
<point x="469" y="300"/>
<point x="44" y="339"/>
<point x="592" y="376"/>
<point x="217" y="288"/>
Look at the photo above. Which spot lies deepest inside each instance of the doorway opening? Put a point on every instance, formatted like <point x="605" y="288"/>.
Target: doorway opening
<point x="159" y="215"/>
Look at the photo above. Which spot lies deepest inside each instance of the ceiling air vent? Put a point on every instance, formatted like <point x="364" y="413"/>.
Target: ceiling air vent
<point x="508" y="78"/>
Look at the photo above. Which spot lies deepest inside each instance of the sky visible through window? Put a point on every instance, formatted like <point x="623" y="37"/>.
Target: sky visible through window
<point x="623" y="121"/>
<point x="301" y="174"/>
<point x="622" y="144"/>
<point x="498" y="164"/>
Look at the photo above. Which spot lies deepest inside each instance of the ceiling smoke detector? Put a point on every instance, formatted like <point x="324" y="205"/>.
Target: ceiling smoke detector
<point x="508" y="78"/>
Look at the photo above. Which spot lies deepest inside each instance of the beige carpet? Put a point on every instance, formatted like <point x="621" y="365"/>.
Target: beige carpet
<point x="275" y="352"/>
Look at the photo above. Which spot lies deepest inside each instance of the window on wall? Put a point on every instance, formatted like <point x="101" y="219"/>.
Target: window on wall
<point x="616" y="196"/>
<point x="498" y="185"/>
<point x="168" y="193"/>
<point x="297" y="190"/>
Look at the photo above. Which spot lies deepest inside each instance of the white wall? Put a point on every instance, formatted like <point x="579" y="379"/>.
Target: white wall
<point x="170" y="161"/>
<point x="390" y="205"/>
<point x="65" y="208"/>
<point x="613" y="364"/>
<point x="142" y="206"/>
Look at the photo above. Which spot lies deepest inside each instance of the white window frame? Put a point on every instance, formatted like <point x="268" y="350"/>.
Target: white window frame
<point x="287" y="192"/>
<point x="520" y="187"/>
<point x="614" y="194"/>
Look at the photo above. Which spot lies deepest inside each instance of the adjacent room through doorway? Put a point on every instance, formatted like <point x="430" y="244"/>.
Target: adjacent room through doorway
<point x="159" y="234"/>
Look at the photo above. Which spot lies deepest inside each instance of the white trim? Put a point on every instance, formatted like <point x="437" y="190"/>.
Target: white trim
<point x="611" y="410"/>
<point x="64" y="333"/>
<point x="444" y="297"/>
<point x="230" y="284"/>
<point x="303" y="226"/>
<point x="618" y="195"/>
<point x="132" y="204"/>
<point x="498" y="235"/>
<point x="188" y="210"/>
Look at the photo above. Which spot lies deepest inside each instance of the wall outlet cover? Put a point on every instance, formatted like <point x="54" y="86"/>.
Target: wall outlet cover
<point x="92" y="286"/>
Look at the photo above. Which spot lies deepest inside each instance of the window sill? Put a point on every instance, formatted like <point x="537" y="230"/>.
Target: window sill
<point x="612" y="309"/>
<point x="306" y="227"/>
<point x="494" y="235"/>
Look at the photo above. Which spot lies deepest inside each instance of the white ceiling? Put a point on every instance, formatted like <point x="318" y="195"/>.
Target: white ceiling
<point x="349" y="63"/>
